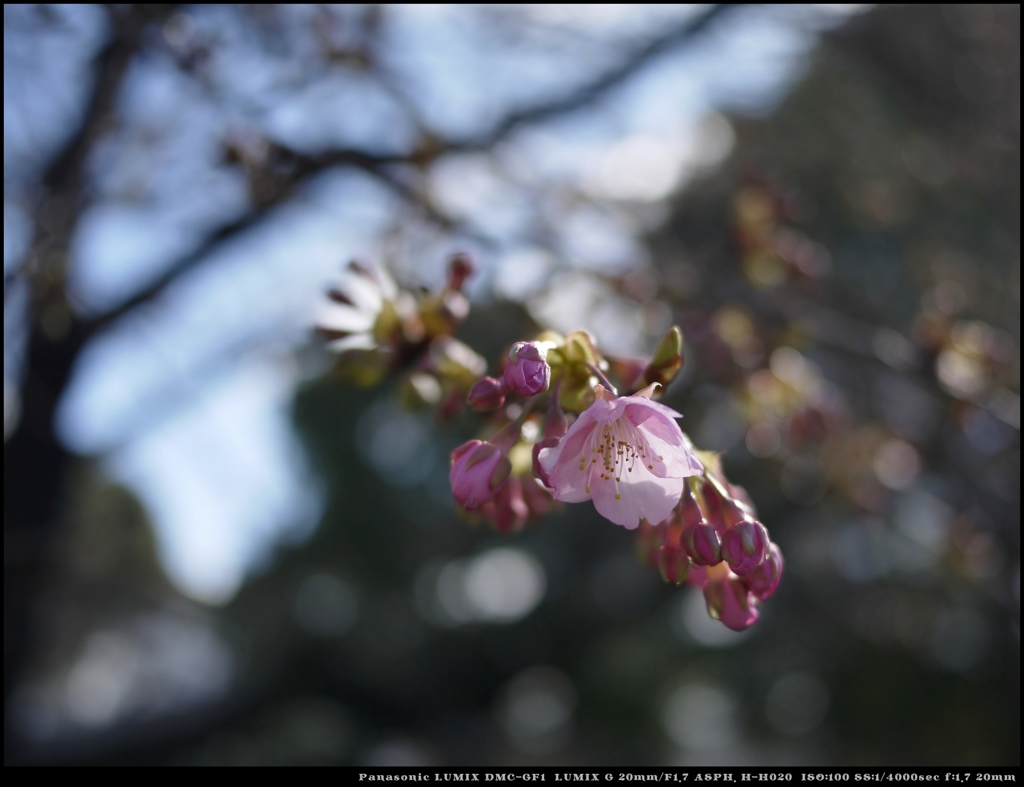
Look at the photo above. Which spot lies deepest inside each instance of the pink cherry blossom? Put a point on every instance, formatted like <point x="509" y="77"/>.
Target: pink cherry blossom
<point x="627" y="454"/>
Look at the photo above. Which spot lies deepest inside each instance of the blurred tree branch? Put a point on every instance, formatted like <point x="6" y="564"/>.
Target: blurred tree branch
<point x="35" y="462"/>
<point x="302" y="168"/>
<point x="581" y="96"/>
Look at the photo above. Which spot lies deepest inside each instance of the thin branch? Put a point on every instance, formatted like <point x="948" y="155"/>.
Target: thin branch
<point x="64" y="180"/>
<point x="303" y="168"/>
<point x="617" y="75"/>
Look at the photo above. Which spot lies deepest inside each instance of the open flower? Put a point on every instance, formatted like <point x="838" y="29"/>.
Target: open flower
<point x="627" y="454"/>
<point x="364" y="310"/>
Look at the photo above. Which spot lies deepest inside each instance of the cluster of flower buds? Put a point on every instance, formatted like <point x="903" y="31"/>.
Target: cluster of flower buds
<point x="559" y="429"/>
<point x="377" y="328"/>
<point x="625" y="453"/>
<point x="713" y="540"/>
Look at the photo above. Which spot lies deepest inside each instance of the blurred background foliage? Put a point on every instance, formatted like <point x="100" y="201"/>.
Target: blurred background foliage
<point x="216" y="551"/>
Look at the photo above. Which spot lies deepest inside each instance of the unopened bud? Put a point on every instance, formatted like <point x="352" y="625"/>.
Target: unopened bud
<point x="763" y="581"/>
<point x="460" y="268"/>
<point x="698" y="538"/>
<point x="667" y="360"/>
<point x="700" y="542"/>
<point x="712" y="504"/>
<point x="744" y="547"/>
<point x="729" y="602"/>
<point x="673" y="565"/>
<point x="527" y="371"/>
<point x="478" y="471"/>
<point x="508" y="511"/>
<point x="486" y="394"/>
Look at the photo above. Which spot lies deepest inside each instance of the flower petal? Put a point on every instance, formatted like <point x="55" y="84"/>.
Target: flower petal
<point x="665" y="439"/>
<point x="650" y="407"/>
<point x="338" y="317"/>
<point x="364" y="292"/>
<point x="359" y="341"/>
<point x="677" y="461"/>
<point x="646" y="496"/>
<point x="561" y="462"/>
<point x="604" y="411"/>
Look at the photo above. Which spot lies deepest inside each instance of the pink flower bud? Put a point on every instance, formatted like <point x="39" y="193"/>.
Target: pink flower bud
<point x="486" y="394"/>
<point x="698" y="577"/>
<point x="699" y="539"/>
<point x="673" y="564"/>
<point x="765" y="578"/>
<point x="527" y="371"/>
<point x="729" y="602"/>
<point x="744" y="546"/>
<point x="508" y="511"/>
<point x="700" y="542"/>
<point x="478" y="471"/>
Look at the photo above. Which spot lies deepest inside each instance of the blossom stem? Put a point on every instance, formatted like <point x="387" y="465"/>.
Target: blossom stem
<point x="556" y="390"/>
<point x="601" y="377"/>
<point x="698" y="496"/>
<point x="510" y="433"/>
